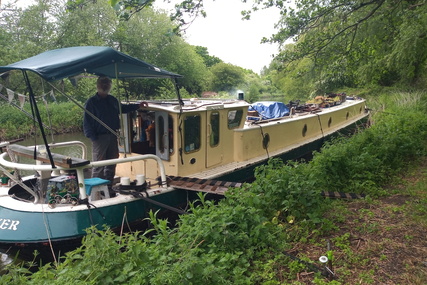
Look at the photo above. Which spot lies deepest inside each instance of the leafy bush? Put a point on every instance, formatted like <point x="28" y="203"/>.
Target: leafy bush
<point x="366" y="162"/>
<point x="65" y="117"/>
<point x="285" y="191"/>
<point x="213" y="245"/>
<point x="13" y="124"/>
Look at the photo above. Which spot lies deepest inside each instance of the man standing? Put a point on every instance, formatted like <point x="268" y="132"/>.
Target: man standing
<point x="104" y="143"/>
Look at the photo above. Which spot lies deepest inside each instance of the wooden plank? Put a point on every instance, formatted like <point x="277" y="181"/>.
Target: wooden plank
<point x="59" y="159"/>
<point x="202" y="185"/>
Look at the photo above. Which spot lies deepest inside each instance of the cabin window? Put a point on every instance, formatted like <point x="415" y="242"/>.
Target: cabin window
<point x="192" y="133"/>
<point x="234" y="118"/>
<point x="162" y="132"/>
<point x="214" y="136"/>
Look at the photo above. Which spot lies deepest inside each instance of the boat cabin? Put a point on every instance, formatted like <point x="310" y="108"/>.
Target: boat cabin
<point x="210" y="138"/>
<point x="189" y="139"/>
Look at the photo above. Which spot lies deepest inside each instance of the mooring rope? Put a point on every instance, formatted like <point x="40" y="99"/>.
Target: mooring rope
<point x="263" y="138"/>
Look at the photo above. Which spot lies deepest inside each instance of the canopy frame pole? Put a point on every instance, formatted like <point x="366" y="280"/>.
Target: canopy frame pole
<point x="23" y="111"/>
<point x="119" y="134"/>
<point x="181" y="103"/>
<point x="38" y="118"/>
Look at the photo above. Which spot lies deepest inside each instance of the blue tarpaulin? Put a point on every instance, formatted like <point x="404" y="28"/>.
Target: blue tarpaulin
<point x="270" y="109"/>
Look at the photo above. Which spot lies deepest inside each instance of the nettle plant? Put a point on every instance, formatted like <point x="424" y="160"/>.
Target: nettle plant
<point x="286" y="188"/>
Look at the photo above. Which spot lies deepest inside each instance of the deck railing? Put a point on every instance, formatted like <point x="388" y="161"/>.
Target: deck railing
<point x="4" y="163"/>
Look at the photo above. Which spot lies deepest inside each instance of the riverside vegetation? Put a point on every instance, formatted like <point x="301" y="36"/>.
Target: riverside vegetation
<point x="60" y="118"/>
<point x="274" y="230"/>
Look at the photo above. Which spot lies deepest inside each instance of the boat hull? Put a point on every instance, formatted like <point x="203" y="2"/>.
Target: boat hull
<point x="23" y="223"/>
<point x="304" y="151"/>
<point x="30" y="221"/>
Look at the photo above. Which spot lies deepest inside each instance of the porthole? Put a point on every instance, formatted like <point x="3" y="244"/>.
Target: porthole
<point x="329" y="122"/>
<point x="265" y="141"/>
<point x="304" y="130"/>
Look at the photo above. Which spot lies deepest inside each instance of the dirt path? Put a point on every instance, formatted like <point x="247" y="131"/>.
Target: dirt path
<point x="383" y="241"/>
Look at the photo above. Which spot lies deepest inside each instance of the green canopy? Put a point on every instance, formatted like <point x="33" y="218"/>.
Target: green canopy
<point x="102" y="61"/>
<point x="67" y="62"/>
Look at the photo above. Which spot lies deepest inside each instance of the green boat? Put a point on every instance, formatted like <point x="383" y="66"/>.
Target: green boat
<point x="59" y="202"/>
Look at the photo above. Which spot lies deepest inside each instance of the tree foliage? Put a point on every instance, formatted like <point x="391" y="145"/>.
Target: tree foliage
<point x="208" y="59"/>
<point x="334" y="43"/>
<point x="357" y="43"/>
<point x="47" y="25"/>
<point x="148" y="35"/>
<point x="24" y="33"/>
<point x="94" y="25"/>
<point x="226" y="77"/>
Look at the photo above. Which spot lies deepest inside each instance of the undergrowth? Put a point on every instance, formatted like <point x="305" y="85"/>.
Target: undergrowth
<point x="250" y="237"/>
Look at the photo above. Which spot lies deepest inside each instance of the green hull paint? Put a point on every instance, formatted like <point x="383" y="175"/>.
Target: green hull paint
<point x="38" y="227"/>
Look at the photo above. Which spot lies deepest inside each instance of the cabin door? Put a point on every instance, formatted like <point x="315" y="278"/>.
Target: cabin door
<point x="162" y="135"/>
<point x="214" y="149"/>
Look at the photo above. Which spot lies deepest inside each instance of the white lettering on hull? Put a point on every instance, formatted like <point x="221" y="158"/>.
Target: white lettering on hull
<point x="8" y="224"/>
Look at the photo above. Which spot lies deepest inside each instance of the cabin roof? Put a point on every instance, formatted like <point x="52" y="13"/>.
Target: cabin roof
<point x="194" y="105"/>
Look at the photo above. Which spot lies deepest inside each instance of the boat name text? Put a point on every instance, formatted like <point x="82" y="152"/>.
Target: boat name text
<point x="8" y="224"/>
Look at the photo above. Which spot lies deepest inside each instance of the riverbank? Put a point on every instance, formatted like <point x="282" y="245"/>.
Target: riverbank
<point x="59" y="118"/>
<point x="374" y="241"/>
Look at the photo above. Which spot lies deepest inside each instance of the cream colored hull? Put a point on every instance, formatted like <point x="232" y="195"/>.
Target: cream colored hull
<point x="285" y="136"/>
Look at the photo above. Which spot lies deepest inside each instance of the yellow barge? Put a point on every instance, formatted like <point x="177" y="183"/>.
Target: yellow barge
<point x="223" y="139"/>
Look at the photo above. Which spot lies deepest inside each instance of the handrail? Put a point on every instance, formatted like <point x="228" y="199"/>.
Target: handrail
<point x="68" y="143"/>
<point x="79" y="170"/>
